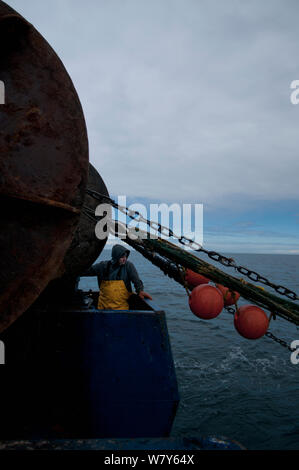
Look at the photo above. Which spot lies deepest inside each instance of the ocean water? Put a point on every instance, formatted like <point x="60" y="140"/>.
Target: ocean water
<point x="246" y="390"/>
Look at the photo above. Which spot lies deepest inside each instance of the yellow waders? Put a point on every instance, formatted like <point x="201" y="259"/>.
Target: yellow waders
<point x="113" y="296"/>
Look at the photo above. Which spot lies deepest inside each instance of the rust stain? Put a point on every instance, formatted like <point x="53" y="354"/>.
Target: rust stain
<point x="43" y="164"/>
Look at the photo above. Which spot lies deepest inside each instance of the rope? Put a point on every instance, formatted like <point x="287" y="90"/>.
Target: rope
<point x="170" y="268"/>
<point x="225" y="261"/>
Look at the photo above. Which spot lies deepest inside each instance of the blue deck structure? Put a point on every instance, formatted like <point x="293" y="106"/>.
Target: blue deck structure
<point x="87" y="373"/>
<point x="76" y="378"/>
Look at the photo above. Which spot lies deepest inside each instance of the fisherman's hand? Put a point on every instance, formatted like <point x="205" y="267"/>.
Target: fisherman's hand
<point x="144" y="295"/>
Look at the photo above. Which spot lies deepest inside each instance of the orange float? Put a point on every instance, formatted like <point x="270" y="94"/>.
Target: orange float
<point x="251" y="322"/>
<point x="206" y="301"/>
<point x="195" y="279"/>
<point x="230" y="297"/>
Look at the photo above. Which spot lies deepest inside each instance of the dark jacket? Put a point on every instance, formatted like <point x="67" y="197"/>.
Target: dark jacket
<point x="112" y="271"/>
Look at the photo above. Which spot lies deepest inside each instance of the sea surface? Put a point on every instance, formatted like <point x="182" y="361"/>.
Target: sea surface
<point x="246" y="390"/>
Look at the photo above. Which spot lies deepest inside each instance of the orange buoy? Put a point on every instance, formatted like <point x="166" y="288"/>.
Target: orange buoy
<point x="195" y="279"/>
<point x="230" y="297"/>
<point x="251" y="321"/>
<point x="206" y="301"/>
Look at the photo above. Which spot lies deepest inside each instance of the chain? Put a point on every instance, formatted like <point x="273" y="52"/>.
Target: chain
<point x="193" y="245"/>
<point x="173" y="270"/>
<point x="268" y="333"/>
<point x="279" y="341"/>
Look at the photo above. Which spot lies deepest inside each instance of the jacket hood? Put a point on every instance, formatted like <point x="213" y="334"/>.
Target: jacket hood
<point x="118" y="251"/>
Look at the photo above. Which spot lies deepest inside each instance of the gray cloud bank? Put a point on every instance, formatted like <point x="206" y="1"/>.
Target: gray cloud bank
<point x="183" y="100"/>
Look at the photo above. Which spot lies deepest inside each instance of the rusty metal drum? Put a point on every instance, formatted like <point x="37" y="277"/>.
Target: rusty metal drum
<point x="86" y="246"/>
<point x="43" y="164"/>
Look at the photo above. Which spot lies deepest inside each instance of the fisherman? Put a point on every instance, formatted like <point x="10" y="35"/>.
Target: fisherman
<point x="114" y="278"/>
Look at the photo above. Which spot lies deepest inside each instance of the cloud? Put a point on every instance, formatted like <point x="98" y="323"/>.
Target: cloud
<point x="184" y="101"/>
<point x="189" y="95"/>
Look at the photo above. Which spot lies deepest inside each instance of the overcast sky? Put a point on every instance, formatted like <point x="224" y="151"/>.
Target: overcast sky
<point x="189" y="101"/>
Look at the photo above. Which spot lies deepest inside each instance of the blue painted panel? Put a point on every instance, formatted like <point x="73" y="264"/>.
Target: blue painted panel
<point x="88" y="374"/>
<point x="124" y="361"/>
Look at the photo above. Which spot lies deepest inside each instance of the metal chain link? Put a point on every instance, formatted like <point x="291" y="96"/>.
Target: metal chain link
<point x="279" y="341"/>
<point x="268" y="333"/>
<point x="165" y="265"/>
<point x="193" y="245"/>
